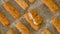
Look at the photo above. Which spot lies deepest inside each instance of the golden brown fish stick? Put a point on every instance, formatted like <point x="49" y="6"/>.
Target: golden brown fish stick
<point x="15" y="13"/>
<point x="35" y="27"/>
<point x="22" y="4"/>
<point x="10" y="31"/>
<point x="51" y="5"/>
<point x="33" y="19"/>
<point x="31" y="1"/>
<point x="4" y="20"/>
<point x="22" y="28"/>
<point x="56" y="23"/>
<point x="46" y="31"/>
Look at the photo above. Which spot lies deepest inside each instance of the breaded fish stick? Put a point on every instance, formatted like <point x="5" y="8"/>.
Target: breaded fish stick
<point x="10" y="31"/>
<point x="56" y="23"/>
<point x="22" y="4"/>
<point x="22" y="28"/>
<point x="4" y="20"/>
<point x="15" y="13"/>
<point x="35" y="27"/>
<point x="51" y="5"/>
<point x="32" y="19"/>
